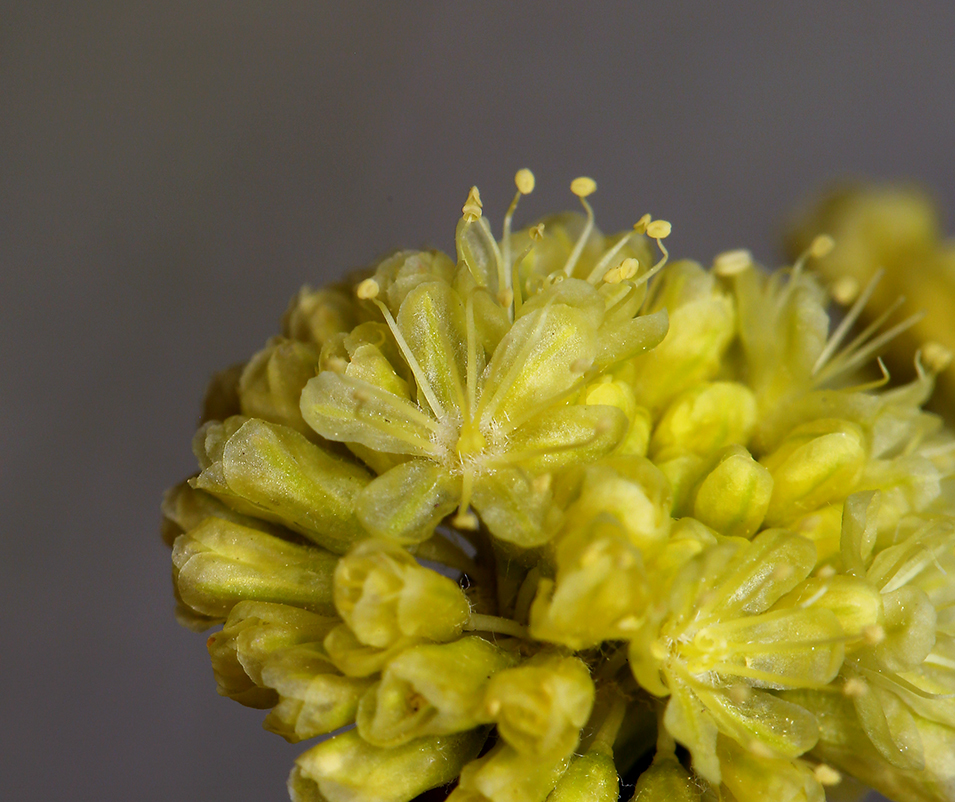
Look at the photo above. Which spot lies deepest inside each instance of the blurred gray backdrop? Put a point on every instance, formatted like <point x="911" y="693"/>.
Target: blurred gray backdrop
<point x="171" y="172"/>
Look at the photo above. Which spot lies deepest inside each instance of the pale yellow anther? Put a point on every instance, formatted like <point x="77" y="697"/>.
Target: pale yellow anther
<point x="625" y="270"/>
<point x="740" y="693"/>
<point x="583" y="186"/>
<point x="821" y="246"/>
<point x="659" y="229"/>
<point x="760" y="749"/>
<point x="581" y="365"/>
<point x="873" y="634"/>
<point x="855" y="687"/>
<point x="536" y="232"/>
<point x="826" y="572"/>
<point x="641" y="225"/>
<point x="541" y="484"/>
<point x="782" y="572"/>
<point x="827" y="775"/>
<point x="336" y="364"/>
<point x="505" y="296"/>
<point x="525" y="181"/>
<point x="361" y="396"/>
<point x="465" y="520"/>
<point x="473" y="206"/>
<point x="368" y="289"/>
<point x="493" y="707"/>
<point x="630" y="623"/>
<point x="935" y="356"/>
<point x="659" y="650"/>
<point x="732" y="263"/>
<point x="845" y="290"/>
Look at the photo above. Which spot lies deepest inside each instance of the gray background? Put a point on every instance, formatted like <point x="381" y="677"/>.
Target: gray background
<point x="171" y="172"/>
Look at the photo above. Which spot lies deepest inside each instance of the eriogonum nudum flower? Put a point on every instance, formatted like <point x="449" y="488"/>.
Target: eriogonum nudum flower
<point x="552" y="513"/>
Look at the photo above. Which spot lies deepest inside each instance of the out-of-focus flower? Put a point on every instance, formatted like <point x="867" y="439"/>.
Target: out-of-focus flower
<point x="539" y="514"/>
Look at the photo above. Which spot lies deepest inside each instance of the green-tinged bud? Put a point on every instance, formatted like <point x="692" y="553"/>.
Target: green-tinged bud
<point x="633" y="491"/>
<point x="750" y="775"/>
<point x="219" y="564"/>
<point x="704" y="419"/>
<point x="619" y="394"/>
<point x="506" y="775"/>
<point x="276" y="473"/>
<point x="909" y="629"/>
<point x="272" y="382"/>
<point x="253" y="633"/>
<point x="591" y="777"/>
<point x="540" y="706"/>
<point x="855" y="602"/>
<point x="431" y="690"/>
<point x="667" y="781"/>
<point x="817" y="463"/>
<point x="184" y="508"/>
<point x="314" y="698"/>
<point x="387" y="598"/>
<point x="348" y="769"/>
<point x="734" y="496"/>
<point x="314" y="316"/>
<point x="354" y="658"/>
<point x="702" y="324"/>
<point x="600" y="592"/>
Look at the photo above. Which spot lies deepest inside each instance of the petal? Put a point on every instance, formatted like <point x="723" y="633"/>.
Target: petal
<point x="351" y="410"/>
<point x="408" y="502"/>
<point x="514" y="509"/>
<point x="541" y="357"/>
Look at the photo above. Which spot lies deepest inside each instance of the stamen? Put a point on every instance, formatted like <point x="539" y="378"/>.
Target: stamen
<point x="658" y="266"/>
<point x="936" y="357"/>
<point x="855" y="687"/>
<point x="524" y="179"/>
<point x="495" y="624"/>
<point x="845" y="290"/>
<point x="581" y="187"/>
<point x="473" y="207"/>
<point x="471" y="332"/>
<point x="517" y="295"/>
<point x="368" y="290"/>
<point x="336" y="364"/>
<point x="659" y="229"/>
<point x="607" y="259"/>
<point x="641" y="225"/>
<point x="847" y="322"/>
<point x="827" y="775"/>
<point x="732" y="263"/>
<point x="821" y="246"/>
<point x="873" y="634"/>
<point x="625" y="270"/>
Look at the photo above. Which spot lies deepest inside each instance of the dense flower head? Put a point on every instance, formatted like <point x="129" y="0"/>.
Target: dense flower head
<point x="554" y="513"/>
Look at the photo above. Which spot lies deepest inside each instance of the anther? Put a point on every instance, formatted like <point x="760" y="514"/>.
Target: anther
<point x="368" y="289"/>
<point x="732" y="263"/>
<point x="505" y="296"/>
<point x="826" y="572"/>
<point x="760" y="749"/>
<point x="465" y="520"/>
<point x="581" y="365"/>
<point x="935" y="356"/>
<point x="525" y="181"/>
<point x="739" y="693"/>
<point x="473" y="206"/>
<point x="536" y="232"/>
<point x="873" y="634"/>
<point x="541" y="484"/>
<point x="845" y="290"/>
<point x="855" y="687"/>
<point x="659" y="229"/>
<point x="641" y="225"/>
<point x="827" y="775"/>
<point x="821" y="246"/>
<point x="625" y="270"/>
<point x="583" y="186"/>
<point x="782" y="572"/>
<point x="336" y="364"/>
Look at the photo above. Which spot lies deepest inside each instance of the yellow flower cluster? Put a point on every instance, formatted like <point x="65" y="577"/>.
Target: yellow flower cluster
<point x="548" y="515"/>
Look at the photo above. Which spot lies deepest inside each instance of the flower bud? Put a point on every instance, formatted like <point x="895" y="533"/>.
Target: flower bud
<point x="274" y="472"/>
<point x="430" y="690"/>
<point x="734" y="496"/>
<point x="816" y="464"/>
<point x="540" y="706"/>
<point x="591" y="777"/>
<point x="313" y="316"/>
<point x="749" y="775"/>
<point x="272" y="382"/>
<point x="600" y="591"/>
<point x="253" y="632"/>
<point x="314" y="698"/>
<point x="354" y="658"/>
<point x="704" y="419"/>
<point x="348" y="769"/>
<point x="219" y="563"/>
<point x="387" y="598"/>
<point x="506" y="775"/>
<point x="667" y="781"/>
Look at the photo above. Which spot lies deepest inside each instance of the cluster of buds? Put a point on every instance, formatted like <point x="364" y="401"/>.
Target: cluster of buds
<point x="545" y="517"/>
